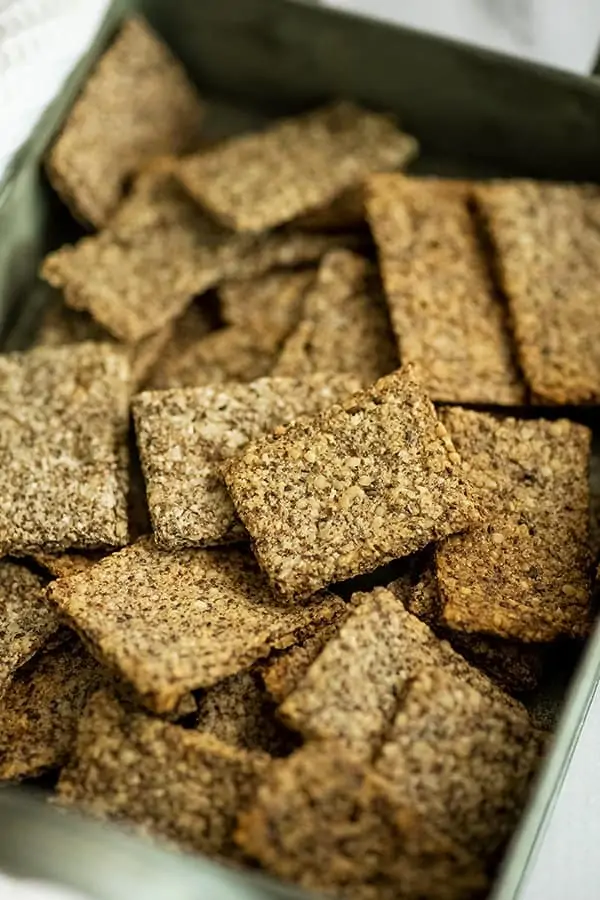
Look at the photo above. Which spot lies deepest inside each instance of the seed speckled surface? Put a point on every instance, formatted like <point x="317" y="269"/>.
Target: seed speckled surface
<point x="269" y="306"/>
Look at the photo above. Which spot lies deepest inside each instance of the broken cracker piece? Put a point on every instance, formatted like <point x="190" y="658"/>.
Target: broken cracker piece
<point x="27" y="620"/>
<point x="305" y="162"/>
<point x="547" y="247"/>
<point x="40" y="710"/>
<point x="269" y="307"/>
<point x="63" y="420"/>
<point x="447" y="317"/>
<point x="351" y="489"/>
<point x="344" y="327"/>
<point x="137" y="103"/>
<point x="172" y="783"/>
<point x="185" y="435"/>
<point x="526" y="575"/>
<point x="462" y="759"/>
<point x="193" y="617"/>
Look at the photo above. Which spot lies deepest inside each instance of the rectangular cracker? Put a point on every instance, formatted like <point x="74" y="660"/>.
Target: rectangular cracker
<point x="462" y="759"/>
<point x="524" y="576"/>
<point x="27" y="619"/>
<point x="323" y="820"/>
<point x="137" y="103"/>
<point x="179" y="785"/>
<point x="193" y="617"/>
<point x="63" y="419"/>
<point x="351" y="489"/>
<point x="268" y="307"/>
<point x="350" y="692"/>
<point x="306" y="162"/>
<point x="184" y="436"/>
<point x="547" y="244"/>
<point x="448" y="319"/>
<point x="344" y="326"/>
<point x="40" y="710"/>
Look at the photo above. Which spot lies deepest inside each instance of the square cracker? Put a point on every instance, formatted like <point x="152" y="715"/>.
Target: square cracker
<point x="445" y="311"/>
<point x="462" y="759"/>
<point x="547" y="246"/>
<point x="324" y="820"/>
<point x="27" y="619"/>
<point x="526" y="575"/>
<point x="185" y="435"/>
<point x="304" y="163"/>
<point x="136" y="104"/>
<point x="63" y="421"/>
<point x="193" y="617"/>
<point x="345" y="325"/>
<point x="269" y="307"/>
<point x="350" y="692"/>
<point x="183" y="786"/>
<point x="40" y="710"/>
<point x="351" y="489"/>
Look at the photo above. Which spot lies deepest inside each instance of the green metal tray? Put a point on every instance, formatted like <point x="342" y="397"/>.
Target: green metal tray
<point x="476" y="113"/>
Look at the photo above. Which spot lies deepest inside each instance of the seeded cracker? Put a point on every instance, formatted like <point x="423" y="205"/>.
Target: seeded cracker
<point x="181" y="785"/>
<point x="185" y="435"/>
<point x="40" y="710"/>
<point x="193" y="617"/>
<point x="351" y="690"/>
<point x="526" y="575"/>
<point x="62" y="565"/>
<point x="357" y="486"/>
<point x="345" y="325"/>
<point x="63" y="415"/>
<point x="187" y="331"/>
<point x="138" y="103"/>
<point x="27" y="620"/>
<point x="258" y="181"/>
<point x="346" y="211"/>
<point x="547" y="244"/>
<point x="322" y="820"/>
<point x="447" y="317"/>
<point x="462" y="759"/>
<point x="269" y="307"/>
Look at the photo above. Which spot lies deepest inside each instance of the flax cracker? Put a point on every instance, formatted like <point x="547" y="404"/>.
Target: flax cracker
<point x="323" y="820"/>
<point x="188" y="330"/>
<point x="462" y="759"/>
<point x="351" y="690"/>
<point x="258" y="181"/>
<point x="176" y="784"/>
<point x="185" y="435"/>
<point x="63" y="416"/>
<point x="137" y="103"/>
<point x="547" y="243"/>
<point x="193" y="617"/>
<point x="526" y="575"/>
<point x="346" y="211"/>
<point x="351" y="489"/>
<point x="447" y="317"/>
<point x="268" y="307"/>
<point x="345" y="325"/>
<point x="40" y="710"/>
<point x="62" y="565"/>
<point x="27" y="620"/>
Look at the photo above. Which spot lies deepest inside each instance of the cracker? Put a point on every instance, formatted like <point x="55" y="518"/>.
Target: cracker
<point x="268" y="307"/>
<point x="350" y="692"/>
<point x="345" y="325"/>
<point x="525" y="576"/>
<point x="187" y="331"/>
<point x="346" y="211"/>
<point x="322" y="820"/>
<point x="63" y="565"/>
<point x="283" y="671"/>
<point x="447" y="317"/>
<point x="462" y="759"/>
<point x="136" y="104"/>
<point x="351" y="489"/>
<point x="305" y="163"/>
<point x="40" y="710"/>
<point x="180" y="785"/>
<point x="185" y="435"/>
<point x="193" y="617"/>
<point x="27" y="620"/>
<point x="547" y="245"/>
<point x="63" y="415"/>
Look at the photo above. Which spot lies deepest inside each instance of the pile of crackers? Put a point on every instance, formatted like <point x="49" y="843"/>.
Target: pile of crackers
<point x="289" y="513"/>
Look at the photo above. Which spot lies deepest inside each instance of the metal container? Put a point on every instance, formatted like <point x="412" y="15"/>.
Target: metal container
<point x="476" y="113"/>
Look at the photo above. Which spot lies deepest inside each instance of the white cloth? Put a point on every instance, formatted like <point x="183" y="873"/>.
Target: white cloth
<point x="16" y="889"/>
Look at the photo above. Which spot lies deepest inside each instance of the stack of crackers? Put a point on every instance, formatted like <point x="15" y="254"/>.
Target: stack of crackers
<point x="289" y="515"/>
